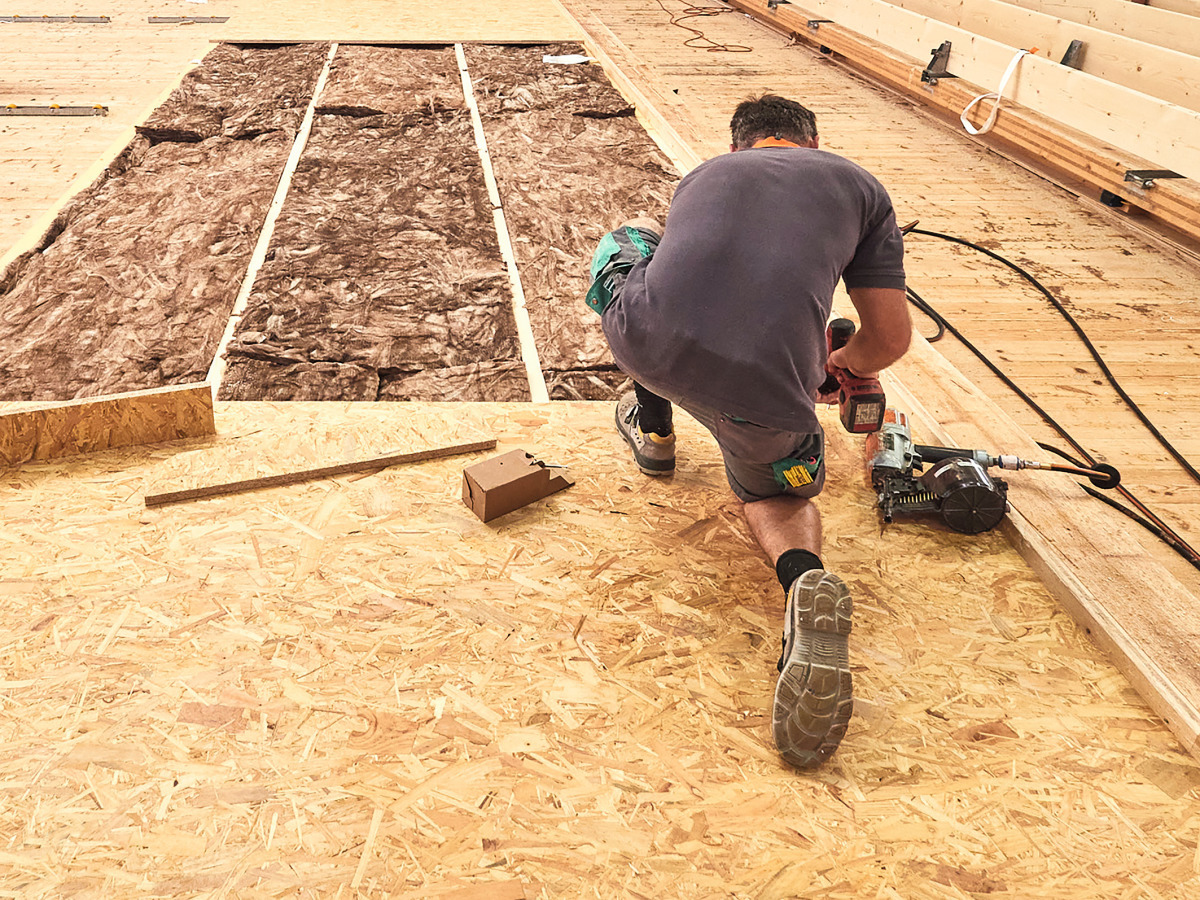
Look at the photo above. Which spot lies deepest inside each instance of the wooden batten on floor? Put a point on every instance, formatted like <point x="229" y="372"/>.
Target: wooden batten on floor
<point x="30" y="432"/>
<point x="1030" y="136"/>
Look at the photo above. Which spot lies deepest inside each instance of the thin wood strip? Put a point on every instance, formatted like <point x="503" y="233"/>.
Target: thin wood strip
<point x="538" y="392"/>
<point x="217" y="371"/>
<point x="362" y="465"/>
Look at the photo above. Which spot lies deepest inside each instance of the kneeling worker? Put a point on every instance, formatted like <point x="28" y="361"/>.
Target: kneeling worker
<point x="724" y="312"/>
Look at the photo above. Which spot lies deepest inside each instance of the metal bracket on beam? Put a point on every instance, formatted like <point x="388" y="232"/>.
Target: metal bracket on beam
<point x="937" y="65"/>
<point x="773" y="4"/>
<point x="1074" y="55"/>
<point x="1145" y="178"/>
<point x="189" y="20"/>
<point x="25" y="20"/>
<point x="815" y="24"/>
<point x="53" y="109"/>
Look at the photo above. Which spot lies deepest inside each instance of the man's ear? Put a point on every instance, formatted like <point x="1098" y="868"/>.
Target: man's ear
<point x="815" y="143"/>
<point x="733" y="148"/>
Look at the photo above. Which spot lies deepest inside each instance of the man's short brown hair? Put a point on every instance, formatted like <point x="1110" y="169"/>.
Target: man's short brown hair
<point x="771" y="116"/>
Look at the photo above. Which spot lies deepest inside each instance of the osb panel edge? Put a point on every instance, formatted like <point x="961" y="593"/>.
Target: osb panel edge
<point x="50" y="431"/>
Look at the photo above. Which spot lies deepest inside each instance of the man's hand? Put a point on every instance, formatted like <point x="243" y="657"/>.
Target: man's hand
<point x="829" y="399"/>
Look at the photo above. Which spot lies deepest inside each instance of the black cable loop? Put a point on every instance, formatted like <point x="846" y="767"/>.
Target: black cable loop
<point x="1160" y="528"/>
<point x="1095" y="354"/>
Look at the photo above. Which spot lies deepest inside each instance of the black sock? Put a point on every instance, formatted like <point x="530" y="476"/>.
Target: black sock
<point x="794" y="563"/>
<point x="654" y="413"/>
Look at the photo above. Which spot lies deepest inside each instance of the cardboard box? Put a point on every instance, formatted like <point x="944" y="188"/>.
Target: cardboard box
<point x="503" y="483"/>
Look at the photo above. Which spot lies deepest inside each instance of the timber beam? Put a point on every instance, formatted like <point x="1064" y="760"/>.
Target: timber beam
<point x="1030" y="137"/>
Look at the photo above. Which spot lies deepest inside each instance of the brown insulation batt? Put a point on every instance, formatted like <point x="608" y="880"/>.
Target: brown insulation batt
<point x="240" y="92"/>
<point x="367" y="81"/>
<point x="384" y="264"/>
<point x="136" y="291"/>
<point x="571" y="162"/>
<point x="134" y="284"/>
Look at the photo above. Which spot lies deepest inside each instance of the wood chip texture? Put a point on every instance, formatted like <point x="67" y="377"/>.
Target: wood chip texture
<point x="357" y="682"/>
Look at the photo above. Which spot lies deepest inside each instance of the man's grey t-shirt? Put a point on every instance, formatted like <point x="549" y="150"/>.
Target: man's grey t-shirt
<point x="730" y="312"/>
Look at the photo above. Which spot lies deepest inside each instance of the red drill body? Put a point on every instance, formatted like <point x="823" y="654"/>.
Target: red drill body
<point x="861" y="401"/>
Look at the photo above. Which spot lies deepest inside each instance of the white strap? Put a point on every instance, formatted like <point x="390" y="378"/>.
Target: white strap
<point x="998" y="95"/>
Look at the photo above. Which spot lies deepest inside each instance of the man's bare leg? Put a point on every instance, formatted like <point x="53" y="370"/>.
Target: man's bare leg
<point x="784" y="523"/>
<point x="812" y="704"/>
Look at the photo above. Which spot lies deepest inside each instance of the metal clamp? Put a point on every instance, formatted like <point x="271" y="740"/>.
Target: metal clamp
<point x="772" y="4"/>
<point x="815" y="24"/>
<point x="937" y="65"/>
<point x="1145" y="178"/>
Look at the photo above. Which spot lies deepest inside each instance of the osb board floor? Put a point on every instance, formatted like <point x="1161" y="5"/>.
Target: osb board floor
<point x="129" y="65"/>
<point x="355" y="687"/>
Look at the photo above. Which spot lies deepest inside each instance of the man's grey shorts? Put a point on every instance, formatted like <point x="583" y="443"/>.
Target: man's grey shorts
<point x="759" y="460"/>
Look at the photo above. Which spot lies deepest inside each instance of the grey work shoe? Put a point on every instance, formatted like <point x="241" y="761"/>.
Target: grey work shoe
<point x="813" y="696"/>
<point x="653" y="453"/>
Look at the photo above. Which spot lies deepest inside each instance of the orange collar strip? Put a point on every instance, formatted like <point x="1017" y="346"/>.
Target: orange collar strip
<point x="772" y="142"/>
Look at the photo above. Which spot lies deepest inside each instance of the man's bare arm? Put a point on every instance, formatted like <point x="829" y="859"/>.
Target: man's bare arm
<point x="883" y="335"/>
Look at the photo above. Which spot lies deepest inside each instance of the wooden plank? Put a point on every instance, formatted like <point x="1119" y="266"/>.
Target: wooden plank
<point x="1134" y="608"/>
<point x="1163" y="27"/>
<point x="30" y="432"/>
<point x="1037" y="139"/>
<point x="1187" y="7"/>
<point x="1164" y="133"/>
<point x="1169" y="75"/>
<point x="269" y="481"/>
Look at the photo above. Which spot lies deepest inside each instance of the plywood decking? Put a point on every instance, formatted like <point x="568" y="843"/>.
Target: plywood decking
<point x="356" y="685"/>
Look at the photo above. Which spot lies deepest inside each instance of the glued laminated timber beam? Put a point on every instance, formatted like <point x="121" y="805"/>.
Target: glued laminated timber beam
<point x="1164" y="27"/>
<point x="1167" y="74"/>
<point x="1058" y="119"/>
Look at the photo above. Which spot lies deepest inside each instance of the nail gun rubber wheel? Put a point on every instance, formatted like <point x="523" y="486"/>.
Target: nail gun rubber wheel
<point x="973" y="509"/>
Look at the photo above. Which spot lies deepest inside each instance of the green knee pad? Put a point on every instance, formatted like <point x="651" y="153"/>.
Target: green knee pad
<point x="616" y="254"/>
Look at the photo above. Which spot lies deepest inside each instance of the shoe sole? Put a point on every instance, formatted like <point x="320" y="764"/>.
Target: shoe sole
<point x="813" y="698"/>
<point x="648" y="466"/>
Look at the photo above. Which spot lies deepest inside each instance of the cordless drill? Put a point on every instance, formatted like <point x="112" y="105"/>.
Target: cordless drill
<point x="860" y="400"/>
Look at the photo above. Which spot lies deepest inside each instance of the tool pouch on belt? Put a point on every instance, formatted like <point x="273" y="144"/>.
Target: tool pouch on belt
<point x="616" y="254"/>
<point x="796" y="473"/>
